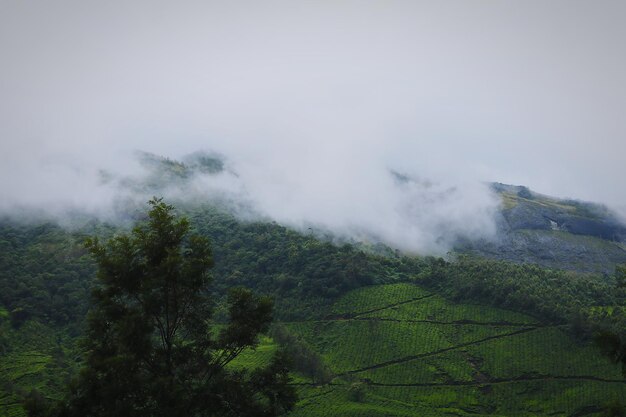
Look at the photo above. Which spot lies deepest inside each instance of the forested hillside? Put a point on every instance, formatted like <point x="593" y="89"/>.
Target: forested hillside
<point x="313" y="208"/>
<point x="46" y="278"/>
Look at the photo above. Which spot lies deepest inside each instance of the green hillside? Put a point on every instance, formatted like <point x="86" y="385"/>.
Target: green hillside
<point x="372" y="334"/>
<point x="393" y="350"/>
<point x="415" y="353"/>
<point x="34" y="357"/>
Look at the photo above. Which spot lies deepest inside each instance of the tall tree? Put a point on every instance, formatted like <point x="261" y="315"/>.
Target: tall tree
<point x="152" y="348"/>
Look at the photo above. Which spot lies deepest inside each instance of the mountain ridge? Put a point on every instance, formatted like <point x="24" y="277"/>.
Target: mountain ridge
<point x="530" y="227"/>
<point x="553" y="232"/>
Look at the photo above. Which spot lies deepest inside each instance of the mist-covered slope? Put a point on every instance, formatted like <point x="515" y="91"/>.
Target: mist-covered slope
<point x="503" y="222"/>
<point x="46" y="276"/>
<point x="552" y="232"/>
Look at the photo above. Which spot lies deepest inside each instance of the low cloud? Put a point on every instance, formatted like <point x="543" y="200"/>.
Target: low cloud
<point x="363" y="201"/>
<point x="314" y="105"/>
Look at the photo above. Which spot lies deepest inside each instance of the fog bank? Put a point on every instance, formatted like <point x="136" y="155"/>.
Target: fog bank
<point x="314" y="104"/>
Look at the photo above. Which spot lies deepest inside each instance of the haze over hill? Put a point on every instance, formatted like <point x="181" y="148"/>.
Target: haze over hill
<point x="322" y="149"/>
<point x="412" y="214"/>
<point x="417" y="215"/>
<point x="313" y="105"/>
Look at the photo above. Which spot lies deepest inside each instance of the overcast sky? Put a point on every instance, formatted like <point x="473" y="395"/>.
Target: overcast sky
<point x="312" y="101"/>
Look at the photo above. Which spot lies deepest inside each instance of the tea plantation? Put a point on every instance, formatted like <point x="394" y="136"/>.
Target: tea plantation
<point x="399" y="350"/>
<point x="393" y="350"/>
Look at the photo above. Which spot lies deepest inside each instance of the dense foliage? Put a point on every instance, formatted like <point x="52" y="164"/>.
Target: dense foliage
<point x="611" y="333"/>
<point x="550" y="295"/>
<point x="305" y="359"/>
<point x="302" y="272"/>
<point x="47" y="275"/>
<point x="151" y="348"/>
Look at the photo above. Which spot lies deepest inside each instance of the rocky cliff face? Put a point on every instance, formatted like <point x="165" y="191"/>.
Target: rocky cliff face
<point x="553" y="232"/>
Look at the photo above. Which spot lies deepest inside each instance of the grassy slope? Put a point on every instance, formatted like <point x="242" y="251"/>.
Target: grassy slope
<point x="37" y="357"/>
<point x="413" y="352"/>
<point x="431" y="357"/>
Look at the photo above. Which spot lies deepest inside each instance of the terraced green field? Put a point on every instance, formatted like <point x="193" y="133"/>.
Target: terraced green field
<point x="395" y="350"/>
<point x="38" y="357"/>
<point x="252" y="359"/>
<point x="408" y="352"/>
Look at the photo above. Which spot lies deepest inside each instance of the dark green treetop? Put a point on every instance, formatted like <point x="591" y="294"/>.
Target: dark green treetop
<point x="152" y="349"/>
